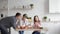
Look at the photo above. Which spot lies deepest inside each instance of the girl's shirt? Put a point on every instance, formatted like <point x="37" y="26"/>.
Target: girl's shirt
<point x="24" y="23"/>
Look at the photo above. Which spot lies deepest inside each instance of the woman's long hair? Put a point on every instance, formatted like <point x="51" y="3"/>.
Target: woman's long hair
<point x="35" y="19"/>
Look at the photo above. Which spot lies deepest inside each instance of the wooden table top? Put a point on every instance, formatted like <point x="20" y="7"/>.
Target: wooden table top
<point x="28" y="28"/>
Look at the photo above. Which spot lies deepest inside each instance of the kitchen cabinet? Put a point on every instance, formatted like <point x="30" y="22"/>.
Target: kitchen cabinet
<point x="54" y="6"/>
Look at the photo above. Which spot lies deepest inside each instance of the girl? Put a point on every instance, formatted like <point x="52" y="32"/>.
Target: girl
<point x="36" y="25"/>
<point x="24" y="22"/>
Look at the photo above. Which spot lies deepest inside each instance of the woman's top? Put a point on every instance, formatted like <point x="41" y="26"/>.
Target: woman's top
<point x="37" y="25"/>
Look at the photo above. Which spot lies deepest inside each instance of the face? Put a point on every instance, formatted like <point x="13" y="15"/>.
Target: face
<point x="36" y="18"/>
<point x="24" y="17"/>
<point x="18" y="17"/>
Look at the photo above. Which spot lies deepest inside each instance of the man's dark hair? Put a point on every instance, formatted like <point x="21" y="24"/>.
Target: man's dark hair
<point x="18" y="14"/>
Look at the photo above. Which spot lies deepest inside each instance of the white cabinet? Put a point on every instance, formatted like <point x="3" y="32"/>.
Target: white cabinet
<point x="54" y="6"/>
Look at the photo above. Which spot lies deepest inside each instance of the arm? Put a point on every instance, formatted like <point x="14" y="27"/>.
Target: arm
<point x="27" y="22"/>
<point x="18" y="24"/>
<point x="13" y="23"/>
<point x="39" y="24"/>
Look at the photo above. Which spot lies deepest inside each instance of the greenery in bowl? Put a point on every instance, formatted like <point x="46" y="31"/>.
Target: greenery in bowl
<point x="45" y="17"/>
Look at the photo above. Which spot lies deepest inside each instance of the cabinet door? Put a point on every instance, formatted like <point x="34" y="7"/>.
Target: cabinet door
<point x="54" y="6"/>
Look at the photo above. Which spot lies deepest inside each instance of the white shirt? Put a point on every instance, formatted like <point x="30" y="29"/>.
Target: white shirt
<point x="22" y="23"/>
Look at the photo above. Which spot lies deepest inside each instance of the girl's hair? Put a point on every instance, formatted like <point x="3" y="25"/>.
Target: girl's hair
<point x="25" y="15"/>
<point x="35" y="19"/>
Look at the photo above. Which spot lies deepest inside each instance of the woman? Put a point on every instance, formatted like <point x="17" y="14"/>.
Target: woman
<point x="36" y="25"/>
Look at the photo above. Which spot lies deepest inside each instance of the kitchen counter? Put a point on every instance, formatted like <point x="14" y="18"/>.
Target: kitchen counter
<point x="53" y="28"/>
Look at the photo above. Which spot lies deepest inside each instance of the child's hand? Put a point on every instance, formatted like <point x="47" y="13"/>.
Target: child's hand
<point x="18" y="27"/>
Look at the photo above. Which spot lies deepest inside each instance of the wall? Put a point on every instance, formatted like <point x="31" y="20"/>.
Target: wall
<point x="4" y="12"/>
<point x="39" y="7"/>
<point x="3" y="8"/>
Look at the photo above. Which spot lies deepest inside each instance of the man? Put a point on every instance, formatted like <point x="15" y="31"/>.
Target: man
<point x="9" y="22"/>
